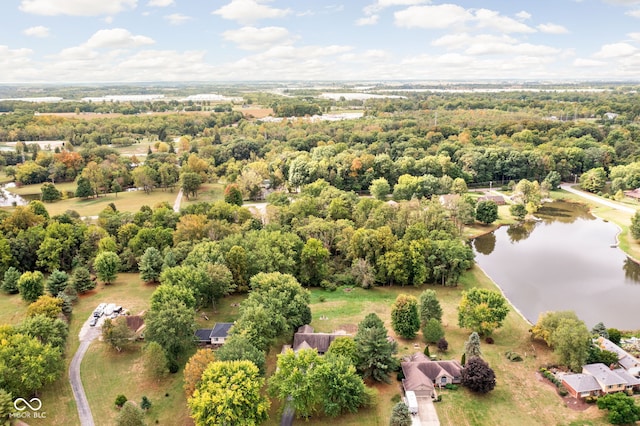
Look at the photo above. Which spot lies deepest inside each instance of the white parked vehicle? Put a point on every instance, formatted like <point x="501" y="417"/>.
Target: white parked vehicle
<point x="412" y="402"/>
<point x="108" y="310"/>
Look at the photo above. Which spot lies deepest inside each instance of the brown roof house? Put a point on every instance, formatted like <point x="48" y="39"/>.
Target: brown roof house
<point x="305" y="338"/>
<point x="422" y="375"/>
<point x="498" y="199"/>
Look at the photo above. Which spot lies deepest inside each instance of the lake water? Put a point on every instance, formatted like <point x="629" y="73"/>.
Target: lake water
<point x="9" y="199"/>
<point x="565" y="261"/>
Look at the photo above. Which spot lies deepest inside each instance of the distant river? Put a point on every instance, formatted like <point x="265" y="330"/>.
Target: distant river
<point x="564" y="262"/>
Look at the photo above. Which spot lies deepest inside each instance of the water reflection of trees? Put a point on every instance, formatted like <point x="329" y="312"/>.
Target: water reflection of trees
<point x="631" y="269"/>
<point x="520" y="231"/>
<point x="485" y="244"/>
<point x="564" y="212"/>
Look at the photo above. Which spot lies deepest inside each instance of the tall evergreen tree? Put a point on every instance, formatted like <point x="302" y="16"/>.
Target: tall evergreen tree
<point x="375" y="350"/>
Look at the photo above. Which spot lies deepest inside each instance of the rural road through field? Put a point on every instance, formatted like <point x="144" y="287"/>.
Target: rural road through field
<point x="596" y="199"/>
<point x="87" y="335"/>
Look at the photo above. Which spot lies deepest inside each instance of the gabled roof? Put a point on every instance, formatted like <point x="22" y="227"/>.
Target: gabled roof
<point x="603" y="375"/>
<point x="134" y="322"/>
<point x="420" y="369"/>
<point x="221" y="329"/>
<point x="631" y="380"/>
<point x="202" y="334"/>
<point x="625" y="359"/>
<point x="305" y="338"/>
<point x="581" y="382"/>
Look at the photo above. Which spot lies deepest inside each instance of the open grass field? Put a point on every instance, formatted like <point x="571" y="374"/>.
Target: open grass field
<point x="208" y="192"/>
<point x="34" y="190"/>
<point x="124" y="201"/>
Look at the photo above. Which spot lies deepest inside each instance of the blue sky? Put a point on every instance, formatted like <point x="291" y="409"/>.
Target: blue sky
<point x="74" y="41"/>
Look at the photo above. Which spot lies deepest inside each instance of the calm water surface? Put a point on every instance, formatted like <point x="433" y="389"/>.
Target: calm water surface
<point x="564" y="262"/>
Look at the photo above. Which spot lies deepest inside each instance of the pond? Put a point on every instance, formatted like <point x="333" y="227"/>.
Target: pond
<point x="8" y="199"/>
<point x="568" y="260"/>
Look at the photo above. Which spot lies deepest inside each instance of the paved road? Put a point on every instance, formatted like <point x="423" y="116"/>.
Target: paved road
<point x="87" y="335"/>
<point x="596" y="199"/>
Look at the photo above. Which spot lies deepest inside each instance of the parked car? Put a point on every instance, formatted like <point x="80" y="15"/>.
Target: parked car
<point x="99" y="310"/>
<point x="108" y="310"/>
<point x="93" y="321"/>
<point x="118" y="309"/>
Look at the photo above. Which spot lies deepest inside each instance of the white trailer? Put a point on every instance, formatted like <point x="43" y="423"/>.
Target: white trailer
<point x="412" y="402"/>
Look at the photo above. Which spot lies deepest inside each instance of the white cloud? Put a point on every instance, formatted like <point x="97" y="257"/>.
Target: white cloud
<point x="440" y="16"/>
<point x="634" y="36"/>
<point x="76" y="7"/>
<point x="117" y="38"/>
<point x="633" y="13"/>
<point x="487" y="44"/>
<point x="486" y="18"/>
<point x="523" y="15"/>
<point x="160" y="3"/>
<point x="615" y="50"/>
<point x="177" y="18"/>
<point x="464" y="40"/>
<point x="368" y="20"/>
<point x="39" y="31"/>
<point x="581" y="62"/>
<point x="249" y="11"/>
<point x="379" y="5"/>
<point x="552" y="29"/>
<point x="251" y="38"/>
<point x="450" y="15"/>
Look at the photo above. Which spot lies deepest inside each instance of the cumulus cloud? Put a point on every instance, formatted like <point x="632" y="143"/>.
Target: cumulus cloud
<point x="523" y="15"/>
<point x="177" y="18"/>
<point x="486" y="18"/>
<point x="450" y="15"/>
<point x="249" y="11"/>
<point x="117" y="38"/>
<point x="76" y="7"/>
<point x="552" y="29"/>
<point x="379" y="5"/>
<point x="39" y="31"/>
<point x="487" y="44"/>
<point x="432" y="17"/>
<point x="633" y="13"/>
<point x="582" y="62"/>
<point x="251" y="38"/>
<point x="615" y="50"/>
<point x="160" y="3"/>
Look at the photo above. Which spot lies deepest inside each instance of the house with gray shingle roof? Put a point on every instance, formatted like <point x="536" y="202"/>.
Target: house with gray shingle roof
<point x="625" y="359"/>
<point x="608" y="380"/>
<point x="215" y="336"/>
<point x="581" y="385"/>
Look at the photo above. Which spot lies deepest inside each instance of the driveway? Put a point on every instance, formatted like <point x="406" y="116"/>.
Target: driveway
<point x="597" y="199"/>
<point x="87" y="335"/>
<point x="426" y="413"/>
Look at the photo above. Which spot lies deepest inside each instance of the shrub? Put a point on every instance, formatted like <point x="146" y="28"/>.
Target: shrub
<point x="513" y="356"/>
<point x="120" y="400"/>
<point x="489" y="340"/>
<point x="562" y="391"/>
<point x="451" y="386"/>
<point x="443" y="345"/>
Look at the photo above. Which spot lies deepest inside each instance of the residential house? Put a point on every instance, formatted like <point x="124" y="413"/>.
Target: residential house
<point x="498" y="199"/>
<point x="422" y="375"/>
<point x="625" y="359"/>
<point x="598" y="379"/>
<point x="136" y="324"/>
<point x="305" y="338"/>
<point x="215" y="336"/>
<point x="581" y="385"/>
<point x="633" y="193"/>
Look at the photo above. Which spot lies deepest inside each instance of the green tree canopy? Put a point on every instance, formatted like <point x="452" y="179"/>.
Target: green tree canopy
<point x="478" y="376"/>
<point x="237" y="348"/>
<point x="228" y="394"/>
<point x="429" y="306"/>
<point x="482" y="310"/>
<point x="622" y="408"/>
<point x="57" y="282"/>
<point x="404" y="316"/>
<point x="375" y="351"/>
<point x="150" y="265"/>
<point x="107" y="266"/>
<point x="31" y="285"/>
<point x="400" y="415"/>
<point x="487" y="212"/>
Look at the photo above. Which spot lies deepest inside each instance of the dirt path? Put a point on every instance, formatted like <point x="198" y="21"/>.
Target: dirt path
<point x="87" y="335"/>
